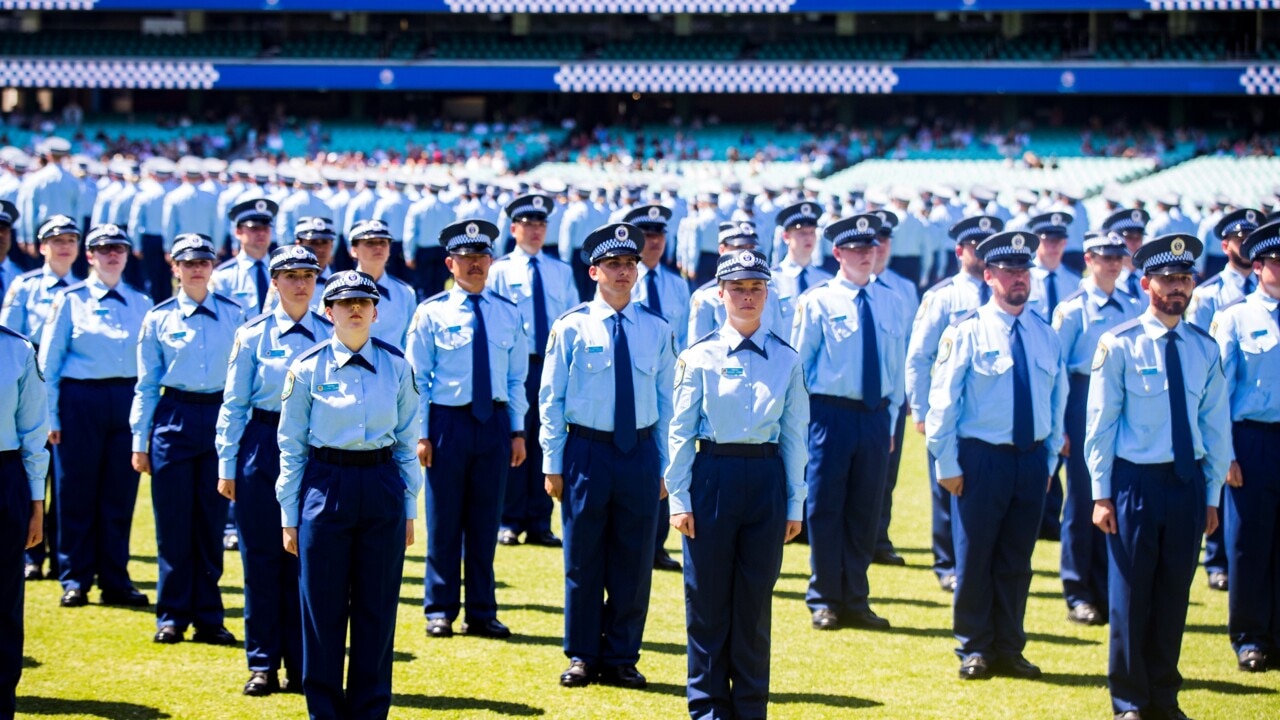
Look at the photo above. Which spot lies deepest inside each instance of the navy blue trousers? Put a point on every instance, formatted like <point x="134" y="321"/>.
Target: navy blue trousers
<point x="351" y="550"/>
<point x="429" y="271"/>
<point x="527" y="506"/>
<point x="48" y="546"/>
<point x="608" y="509"/>
<point x="155" y="269"/>
<point x="1153" y="561"/>
<point x="908" y="266"/>
<point x="995" y="521"/>
<point x="1084" y="547"/>
<point x="464" y="489"/>
<point x="740" y="517"/>
<point x="883" y="543"/>
<point x="1051" y="517"/>
<point x="272" y="623"/>
<point x="190" y="514"/>
<point x="848" y="455"/>
<point x="1252" y="517"/>
<point x="15" y="514"/>
<point x="706" y="267"/>
<point x="1216" y="557"/>
<point x="96" y="486"/>
<point x="942" y="539"/>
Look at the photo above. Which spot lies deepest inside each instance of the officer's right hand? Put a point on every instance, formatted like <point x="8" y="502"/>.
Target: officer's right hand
<point x="141" y="462"/>
<point x="1104" y="516"/>
<point x="554" y="486"/>
<point x="291" y="540"/>
<point x="1235" y="478"/>
<point x="424" y="452"/>
<point x="920" y="426"/>
<point x="683" y="522"/>
<point x="410" y="263"/>
<point x="227" y="489"/>
<point x="55" y="437"/>
<point x="35" y="525"/>
<point x="953" y="485"/>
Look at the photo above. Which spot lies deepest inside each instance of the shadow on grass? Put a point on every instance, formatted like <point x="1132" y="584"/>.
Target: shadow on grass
<point x="151" y="585"/>
<point x="657" y="688"/>
<point x="661" y="648"/>
<point x="29" y="663"/>
<point x="793" y="576"/>
<point x="88" y="708"/>
<point x="1226" y="687"/>
<point x="399" y="656"/>
<point x="847" y="702"/>
<point x="463" y="705"/>
<point x="936" y="632"/>
<point x="1073" y="680"/>
<point x="548" y="609"/>
<point x="1207" y="629"/>
<point x="915" y="602"/>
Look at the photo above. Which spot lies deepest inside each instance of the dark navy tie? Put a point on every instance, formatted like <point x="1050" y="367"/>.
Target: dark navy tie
<point x="260" y="279"/>
<point x="481" y="384"/>
<point x="653" y="301"/>
<point x="301" y="330"/>
<point x="749" y="346"/>
<point x="984" y="292"/>
<point x="1024" y="431"/>
<point x="1051" y="290"/>
<point x="624" y="393"/>
<point x="114" y="295"/>
<point x="540" y="329"/>
<point x="359" y="361"/>
<point x="59" y="283"/>
<point x="871" y="392"/>
<point x="1133" y="285"/>
<point x="1250" y="284"/>
<point x="802" y="282"/>
<point x="1184" y="452"/>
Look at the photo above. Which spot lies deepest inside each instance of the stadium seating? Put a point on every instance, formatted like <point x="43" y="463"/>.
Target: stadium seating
<point x="694" y="175"/>
<point x="1128" y="48"/>
<point x="1030" y="48"/>
<point x="662" y="47"/>
<point x="1245" y="180"/>
<point x="960" y="48"/>
<point x="1195" y="49"/>
<point x="862" y="47"/>
<point x="331" y="46"/>
<point x="115" y="43"/>
<point x="487" y="47"/>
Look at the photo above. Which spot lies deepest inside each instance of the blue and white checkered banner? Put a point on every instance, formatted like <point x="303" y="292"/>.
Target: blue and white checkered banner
<point x="641" y="6"/>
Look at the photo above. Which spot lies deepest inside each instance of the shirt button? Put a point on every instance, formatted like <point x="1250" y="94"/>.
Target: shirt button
<point x="359" y="425"/>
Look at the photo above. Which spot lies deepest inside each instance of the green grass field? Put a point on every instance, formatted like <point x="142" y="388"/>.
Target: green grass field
<point x="96" y="662"/>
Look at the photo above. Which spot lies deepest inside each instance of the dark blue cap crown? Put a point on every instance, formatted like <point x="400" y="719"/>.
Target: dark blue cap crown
<point x="259" y="210"/>
<point x="57" y="225"/>
<point x="1054" y="223"/>
<point x="856" y="230"/>
<point x="1130" y="220"/>
<point x="192" y="246"/>
<point x="612" y="240"/>
<point x="350" y="284"/>
<point x="800" y="215"/>
<point x="1263" y="242"/>
<point x="370" y="230"/>
<point x="293" y="257"/>
<point x="314" y="227"/>
<point x="1168" y="254"/>
<point x="1242" y="221"/>
<point x="533" y="207"/>
<point x="9" y="212"/>
<point x="742" y="265"/>
<point x="649" y="217"/>
<point x="469" y="237"/>
<point x="976" y="228"/>
<point x="108" y="234"/>
<point x="1012" y="250"/>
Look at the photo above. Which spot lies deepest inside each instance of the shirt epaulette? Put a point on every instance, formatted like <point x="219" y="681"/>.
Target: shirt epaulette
<point x="312" y="352"/>
<point x="387" y="346"/>
<point x="226" y="264"/>
<point x="1204" y="333"/>
<point x="785" y="344"/>
<point x="1215" y="280"/>
<point x="1072" y="296"/>
<point x="223" y="298"/>
<point x="942" y="284"/>
<point x="6" y="331"/>
<point x="165" y="302"/>
<point x="257" y="319"/>
<point x="707" y="284"/>
<point x="30" y="274"/>
<point x="1236" y="301"/>
<point x="78" y="286"/>
<point x="507" y="300"/>
<point x="644" y="308"/>
<point x="580" y="307"/>
<point x="320" y="318"/>
<point x="966" y="316"/>
<point x="1126" y="326"/>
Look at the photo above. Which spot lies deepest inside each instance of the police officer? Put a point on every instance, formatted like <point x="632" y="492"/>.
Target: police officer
<point x="1237" y="279"/>
<point x="317" y="235"/>
<point x="249" y="464"/>
<point x="1080" y="320"/>
<point x="9" y="270"/>
<point x="941" y="305"/>
<point x="1130" y="226"/>
<point x="348" y="491"/>
<point x="1248" y="335"/>
<point x="737" y="490"/>
<point x="24" y="463"/>
<point x="189" y="208"/>
<point x="543" y="288"/>
<point x="851" y="337"/>
<point x="706" y="309"/>
<point x="605" y="405"/>
<point x="796" y="273"/>
<point x="244" y="277"/>
<point x="470" y="356"/>
<point x="51" y="190"/>
<point x="995" y="426"/>
<point x="1158" y="446"/>
<point x="146" y="223"/>
<point x="423" y="223"/>
<point x="88" y="354"/>
<point x="371" y="246"/>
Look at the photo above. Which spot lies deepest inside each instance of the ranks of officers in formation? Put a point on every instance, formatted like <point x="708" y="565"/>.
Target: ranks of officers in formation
<point x="769" y="404"/>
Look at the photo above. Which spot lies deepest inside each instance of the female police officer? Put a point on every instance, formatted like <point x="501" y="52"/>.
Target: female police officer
<point x="180" y="352"/>
<point x="741" y="475"/>
<point x="90" y="361"/>
<point x="348" y="489"/>
<point x="249" y="464"/>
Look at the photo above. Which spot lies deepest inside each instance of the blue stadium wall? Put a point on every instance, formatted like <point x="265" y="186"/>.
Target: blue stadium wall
<point x="641" y="6"/>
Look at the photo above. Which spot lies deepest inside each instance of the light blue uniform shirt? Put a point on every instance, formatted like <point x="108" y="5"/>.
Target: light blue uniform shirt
<point x="49" y="191"/>
<point x="512" y="277"/>
<point x="28" y="304"/>
<point x="786" y="280"/>
<point x="1128" y="415"/>
<point x="971" y="395"/>
<point x="91" y="337"/>
<point x="188" y="209"/>
<point x="440" y="350"/>
<point x="1248" y="337"/>
<point x="739" y="397"/>
<point x="181" y="347"/>
<point x="392" y="209"/>
<point x="395" y="310"/>
<point x="237" y="279"/>
<point x="359" y="207"/>
<point x="146" y="216"/>
<point x="121" y="208"/>
<point x="423" y="223"/>
<point x="24" y="412"/>
<point x="1082" y="318"/>
<point x="907" y="293"/>
<point x="706" y="312"/>
<point x="673" y="294"/>
<point x="1216" y="293"/>
<point x="1066" y="280"/>
<point x="102" y="203"/>
<point x="941" y="305"/>
<point x="577" y="376"/>
<point x="302" y="203"/>
<point x="264" y="348"/>
<point x="224" y="233"/>
<point x="828" y="336"/>
<point x="575" y="225"/>
<point x="329" y="402"/>
<point x="337" y="204"/>
<point x="1122" y="283"/>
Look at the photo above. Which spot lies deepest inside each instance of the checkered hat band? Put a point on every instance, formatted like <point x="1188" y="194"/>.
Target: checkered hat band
<point x="1007" y="251"/>
<point x="611" y="245"/>
<point x="464" y="241"/>
<point x="252" y="215"/>
<point x="1265" y="246"/>
<point x="964" y="235"/>
<point x="1239" y="225"/>
<point x="1124" y="225"/>
<point x="1100" y="243"/>
<point x="1167" y="258"/>
<point x="852" y="235"/>
<point x="6" y="217"/>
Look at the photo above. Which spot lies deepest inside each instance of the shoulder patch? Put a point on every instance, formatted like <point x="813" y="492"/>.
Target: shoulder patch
<point x="709" y="336"/>
<point x="1126" y="326"/>
<point x="944" y="349"/>
<point x="785" y="344"/>
<point x="288" y="386"/>
<point x="966" y="316"/>
<point x="579" y="308"/>
<point x="387" y="346"/>
<point x="256" y="319"/>
<point x="1099" y="356"/>
<point x="680" y="371"/>
<point x="1072" y="296"/>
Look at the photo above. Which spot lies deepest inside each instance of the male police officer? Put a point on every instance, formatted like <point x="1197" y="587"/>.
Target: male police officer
<point x="1130" y="226"/>
<point x="244" y="277"/>
<point x="1158" y="448"/>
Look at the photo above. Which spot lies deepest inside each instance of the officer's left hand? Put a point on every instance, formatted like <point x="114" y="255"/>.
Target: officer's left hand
<point x="141" y="462"/>
<point x="662" y="489"/>
<point x="1066" y="449"/>
<point x="227" y="489"/>
<point x="1210" y="520"/>
<point x="408" y="533"/>
<point x="892" y="445"/>
<point x="518" y="453"/>
<point x="35" y="526"/>
<point x="953" y="485"/>
<point x="793" y="529"/>
<point x="1235" y="478"/>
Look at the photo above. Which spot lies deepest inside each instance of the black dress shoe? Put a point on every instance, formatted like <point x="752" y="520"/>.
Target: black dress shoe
<point x="1252" y="661"/>
<point x="74" y="597"/>
<point x="1217" y="581"/>
<point x="888" y="557"/>
<point x="231" y="541"/>
<point x="214" y="636"/>
<point x="948" y="582"/>
<point x="508" y="537"/>
<point x="974" y="667"/>
<point x="663" y="561"/>
<point x="487" y="628"/>
<point x="1129" y="715"/>
<point x="168" y="635"/>
<point x="864" y="619"/>
<point x="262" y="684"/>
<point x="32" y="571"/>
<point x="124" y="598"/>
<point x="439" y="628"/>
<point x="1085" y="614"/>
<point x="1173" y="713"/>
<point x="545" y="538"/>
<point x="577" y="675"/>
<point x="1016" y="666"/>
<point x="825" y="619"/>
<point x="626" y="676"/>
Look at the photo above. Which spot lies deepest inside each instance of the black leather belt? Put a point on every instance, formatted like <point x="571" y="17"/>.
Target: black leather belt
<point x="643" y="433"/>
<point x="1259" y="425"/>
<point x="497" y="405"/>
<point x="1007" y="448"/>
<point x="10" y="456"/>
<point x="535" y="359"/>
<point x="351" y="458"/>
<point x="101" y="382"/>
<point x="746" y="450"/>
<point x="266" y="417"/>
<point x="195" y="398"/>
<point x="848" y="404"/>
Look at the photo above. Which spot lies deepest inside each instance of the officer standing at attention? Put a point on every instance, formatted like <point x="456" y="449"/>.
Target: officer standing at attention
<point x="180" y="350"/>
<point x="542" y="288"/>
<point x="89" y="357"/>
<point x="9" y="270"/>
<point x="737" y="490"/>
<point x="1131" y="227"/>
<point x="244" y="277"/>
<point x="605" y="405"/>
<point x="249" y="465"/>
<point x="706" y="309"/>
<point x="1080" y="320"/>
<point x="851" y="338"/>
<point x="1158" y="446"/>
<point x="146" y="223"/>
<point x="470" y="356"/>
<point x="371" y="246"/>
<point x="1248" y="335"/>
<point x="996" y="463"/>
<point x="24" y="464"/>
<point x="796" y="273"/>
<point x="941" y="305"/>
<point x="423" y="223"/>
<point x="348" y="493"/>
<point x="317" y="235"/>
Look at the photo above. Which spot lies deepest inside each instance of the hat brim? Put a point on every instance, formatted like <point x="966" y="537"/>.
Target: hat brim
<point x="616" y="252"/>
<point x="802" y="222"/>
<point x="295" y="265"/>
<point x="652" y="228"/>
<point x="530" y="215"/>
<point x="741" y="243"/>
<point x="97" y="244"/>
<point x="362" y="238"/>
<point x="471" y="249"/>
<point x="1109" y="250"/>
<point x="313" y="235"/>
<point x="859" y="242"/>
<point x="1178" y="268"/>
<point x="255" y="220"/>
<point x="351" y="295"/>
<point x="1010" y="263"/>
<point x="744" y="275"/>
<point x="194" y="255"/>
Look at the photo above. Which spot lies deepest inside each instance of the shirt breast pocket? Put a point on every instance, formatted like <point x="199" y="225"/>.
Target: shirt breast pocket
<point x="588" y="372"/>
<point x="1146" y="396"/>
<point x="838" y="330"/>
<point x="177" y="339"/>
<point x="453" y="338"/>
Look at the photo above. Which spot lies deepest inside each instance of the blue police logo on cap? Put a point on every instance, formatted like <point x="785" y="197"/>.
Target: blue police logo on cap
<point x="746" y="228"/>
<point x="472" y="230"/>
<point x="319" y="224"/>
<point x="621" y="232"/>
<point x="1136" y="216"/>
<point x="747" y="258"/>
<point x="806" y="210"/>
<point x="1178" y="247"/>
<point x="862" y="225"/>
<point x="260" y="206"/>
<point x="109" y="229"/>
<point x="1056" y="219"/>
<point x="377" y="225"/>
<point x="1251" y="216"/>
<point x="882" y="215"/>
<point x="984" y="224"/>
<point x="537" y="202"/>
<point x="655" y="213"/>
<point x="1018" y="242"/>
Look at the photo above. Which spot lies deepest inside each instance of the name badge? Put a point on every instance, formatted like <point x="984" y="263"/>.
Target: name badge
<point x="841" y="318"/>
<point x="1258" y="333"/>
<point x="1148" y="371"/>
<point x="734" y="372"/>
<point x="595" y="349"/>
<point x="1099" y="321"/>
<point x="101" y="311"/>
<point x="991" y="354"/>
<point x="243" y="293"/>
<point x="178" y="335"/>
<point x="327" y="387"/>
<point x="47" y="300"/>
<point x="453" y="328"/>
<point x="280" y="352"/>
<point x="516" y="285"/>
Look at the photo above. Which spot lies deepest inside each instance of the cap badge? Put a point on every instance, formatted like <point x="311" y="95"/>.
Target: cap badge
<point x="1251" y="216"/>
<point x="110" y="229"/>
<point x="746" y="228"/>
<point x="621" y="233"/>
<point x="537" y="203"/>
<point x="806" y="210"/>
<point x="260" y="206"/>
<point x="1136" y="216"/>
<point x="655" y="212"/>
<point x="1056" y="219"/>
<point x="472" y="230"/>
<point x="984" y="224"/>
<point x="880" y="214"/>
<point x="1018" y="242"/>
<point x="1178" y="246"/>
<point x="319" y="224"/>
<point x="746" y="258"/>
